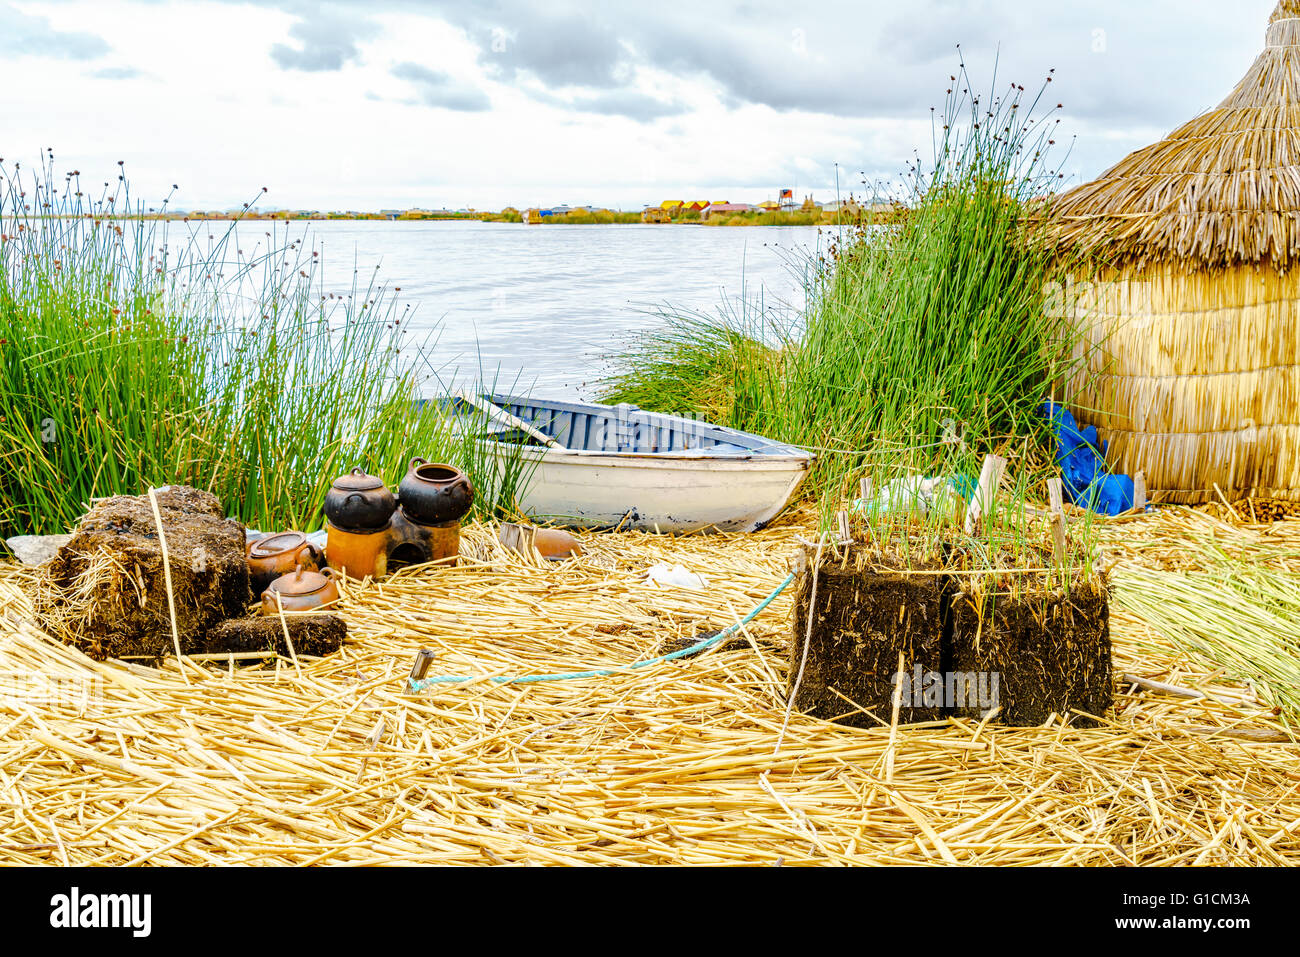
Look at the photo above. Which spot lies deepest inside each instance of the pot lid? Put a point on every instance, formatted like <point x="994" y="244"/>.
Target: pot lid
<point x="277" y="544"/>
<point x="300" y="582"/>
<point x="358" y="481"/>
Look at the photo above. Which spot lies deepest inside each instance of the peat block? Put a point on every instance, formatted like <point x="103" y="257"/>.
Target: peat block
<point x="316" y="634"/>
<point x="105" y="591"/>
<point x="1050" y="652"/>
<point x="862" y="620"/>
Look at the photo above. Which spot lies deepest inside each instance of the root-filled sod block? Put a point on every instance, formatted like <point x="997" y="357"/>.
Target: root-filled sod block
<point x="862" y="620"/>
<point x="106" y="593"/>
<point x="1049" y="652"/>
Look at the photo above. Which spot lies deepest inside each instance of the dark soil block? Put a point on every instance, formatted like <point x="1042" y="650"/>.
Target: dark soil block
<point x="862" y="620"/>
<point x="1049" y="652"/>
<point x="105" y="591"/>
<point x="315" y="634"/>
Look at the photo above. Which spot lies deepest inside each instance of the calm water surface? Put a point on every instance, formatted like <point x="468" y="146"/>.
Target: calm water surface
<point x="542" y="306"/>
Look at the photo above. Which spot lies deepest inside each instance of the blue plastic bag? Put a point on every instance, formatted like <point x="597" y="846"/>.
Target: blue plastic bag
<point x="1081" y="457"/>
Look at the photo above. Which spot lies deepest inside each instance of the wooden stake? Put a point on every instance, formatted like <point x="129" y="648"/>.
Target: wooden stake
<point x="893" y="721"/>
<point x="1140" y="492"/>
<point x="284" y="626"/>
<point x="1056" y="500"/>
<point x="982" y="501"/>
<point x="518" y="538"/>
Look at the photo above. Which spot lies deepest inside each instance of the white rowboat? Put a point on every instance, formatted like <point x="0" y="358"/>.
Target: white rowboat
<point x="619" y="466"/>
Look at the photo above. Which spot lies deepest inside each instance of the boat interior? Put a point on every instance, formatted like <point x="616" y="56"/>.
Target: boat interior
<point x="623" y="428"/>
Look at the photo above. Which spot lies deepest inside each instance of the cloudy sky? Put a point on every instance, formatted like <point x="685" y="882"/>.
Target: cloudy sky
<point x="392" y="103"/>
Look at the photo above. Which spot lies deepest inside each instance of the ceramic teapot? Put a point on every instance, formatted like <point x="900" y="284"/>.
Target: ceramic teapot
<point x="300" y="591"/>
<point x="279" y="554"/>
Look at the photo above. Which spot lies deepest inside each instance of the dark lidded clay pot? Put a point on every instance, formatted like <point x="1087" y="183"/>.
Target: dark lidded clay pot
<point x="358" y="502"/>
<point x="434" y="494"/>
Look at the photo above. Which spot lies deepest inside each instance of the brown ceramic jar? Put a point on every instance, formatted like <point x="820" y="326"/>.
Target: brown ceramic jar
<point x="434" y="494"/>
<point x="279" y="554"/>
<point x="358" y="502"/>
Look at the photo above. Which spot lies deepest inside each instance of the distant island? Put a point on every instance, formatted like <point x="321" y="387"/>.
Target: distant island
<point x="779" y="212"/>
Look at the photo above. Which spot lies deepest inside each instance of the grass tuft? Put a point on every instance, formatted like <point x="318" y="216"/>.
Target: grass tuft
<point x="925" y="344"/>
<point x="133" y="356"/>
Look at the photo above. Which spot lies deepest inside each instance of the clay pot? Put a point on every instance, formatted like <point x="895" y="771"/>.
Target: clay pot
<point x="300" y="591"/>
<point x="358" y="502"/>
<point x="359" y="554"/>
<point x="434" y="494"/>
<point x="276" y="555"/>
<point x="556" y="545"/>
<point x="553" y="544"/>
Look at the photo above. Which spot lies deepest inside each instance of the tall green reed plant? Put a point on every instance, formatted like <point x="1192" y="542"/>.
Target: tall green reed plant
<point x="131" y="356"/>
<point x="917" y="334"/>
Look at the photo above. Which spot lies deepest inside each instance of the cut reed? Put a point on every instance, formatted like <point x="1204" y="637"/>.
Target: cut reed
<point x="674" y="764"/>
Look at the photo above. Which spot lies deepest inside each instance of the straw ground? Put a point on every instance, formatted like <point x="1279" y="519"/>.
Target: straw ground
<point x="329" y="761"/>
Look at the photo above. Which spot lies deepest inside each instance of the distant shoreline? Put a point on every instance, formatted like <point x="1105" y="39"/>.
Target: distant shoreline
<point x="783" y="218"/>
<point x="556" y="221"/>
<point x="579" y="217"/>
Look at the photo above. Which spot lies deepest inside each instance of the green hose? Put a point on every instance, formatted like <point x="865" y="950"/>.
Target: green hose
<point x="422" y="684"/>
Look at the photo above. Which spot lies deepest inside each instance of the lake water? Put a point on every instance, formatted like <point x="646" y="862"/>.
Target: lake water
<point x="543" y="306"/>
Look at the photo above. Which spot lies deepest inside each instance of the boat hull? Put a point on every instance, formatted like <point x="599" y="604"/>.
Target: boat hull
<point x="600" y="466"/>
<point x="681" y="492"/>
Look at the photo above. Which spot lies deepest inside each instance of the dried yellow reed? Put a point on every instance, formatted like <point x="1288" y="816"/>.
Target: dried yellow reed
<point x="1189" y="358"/>
<point x="672" y="764"/>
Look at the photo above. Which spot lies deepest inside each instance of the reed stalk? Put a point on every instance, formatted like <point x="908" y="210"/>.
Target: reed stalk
<point x="134" y="352"/>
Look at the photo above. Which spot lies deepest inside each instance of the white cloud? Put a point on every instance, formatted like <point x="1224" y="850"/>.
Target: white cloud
<point x="395" y="102"/>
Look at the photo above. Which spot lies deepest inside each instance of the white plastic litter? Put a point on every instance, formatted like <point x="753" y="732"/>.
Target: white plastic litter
<point x="913" y="493"/>
<point x="35" y="549"/>
<point x="676" y="576"/>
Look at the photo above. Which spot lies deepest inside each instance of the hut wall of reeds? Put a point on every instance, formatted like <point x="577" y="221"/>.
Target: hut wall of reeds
<point x="1191" y="330"/>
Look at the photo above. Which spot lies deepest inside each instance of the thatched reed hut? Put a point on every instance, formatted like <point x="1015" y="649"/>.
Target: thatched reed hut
<point x="1195" y="327"/>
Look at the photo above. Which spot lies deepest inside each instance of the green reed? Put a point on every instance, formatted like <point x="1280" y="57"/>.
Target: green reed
<point x="133" y="356"/>
<point x="916" y="334"/>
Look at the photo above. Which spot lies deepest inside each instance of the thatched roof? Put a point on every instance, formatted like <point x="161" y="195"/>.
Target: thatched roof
<point x="1223" y="188"/>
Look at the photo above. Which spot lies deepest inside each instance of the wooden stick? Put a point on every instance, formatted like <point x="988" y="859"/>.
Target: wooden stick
<point x="284" y="626"/>
<point x="807" y="640"/>
<point x="167" y="578"/>
<point x="982" y="501"/>
<point x="1140" y="492"/>
<point x="1056" y="500"/>
<point x="893" y="722"/>
<point x="501" y="415"/>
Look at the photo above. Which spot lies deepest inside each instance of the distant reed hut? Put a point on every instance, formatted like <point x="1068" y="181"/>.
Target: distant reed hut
<point x="1196" y="324"/>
